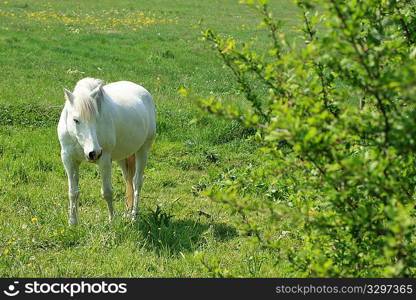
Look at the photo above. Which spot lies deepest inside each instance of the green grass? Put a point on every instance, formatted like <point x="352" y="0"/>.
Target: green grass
<point x="177" y="225"/>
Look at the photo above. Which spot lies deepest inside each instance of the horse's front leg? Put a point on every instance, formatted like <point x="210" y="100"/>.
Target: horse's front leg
<point x="106" y="190"/>
<point x="72" y="171"/>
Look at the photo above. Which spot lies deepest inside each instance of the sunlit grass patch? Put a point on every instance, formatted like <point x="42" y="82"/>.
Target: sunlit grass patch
<point x="112" y="19"/>
<point x="104" y="19"/>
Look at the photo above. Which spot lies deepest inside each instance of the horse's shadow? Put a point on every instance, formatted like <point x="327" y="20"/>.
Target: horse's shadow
<point x="166" y="235"/>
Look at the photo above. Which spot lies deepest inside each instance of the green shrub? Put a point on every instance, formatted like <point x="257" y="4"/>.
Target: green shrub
<point x="336" y="124"/>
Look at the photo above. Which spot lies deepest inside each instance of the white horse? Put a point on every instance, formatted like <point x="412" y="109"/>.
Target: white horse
<point x="100" y="124"/>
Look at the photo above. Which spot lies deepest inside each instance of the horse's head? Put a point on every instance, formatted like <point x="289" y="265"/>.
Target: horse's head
<point x="82" y="114"/>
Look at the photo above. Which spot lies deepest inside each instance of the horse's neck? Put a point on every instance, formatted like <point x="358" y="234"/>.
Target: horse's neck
<point x="105" y="109"/>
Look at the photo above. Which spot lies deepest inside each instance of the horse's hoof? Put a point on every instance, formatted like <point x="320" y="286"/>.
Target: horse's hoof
<point x="73" y="221"/>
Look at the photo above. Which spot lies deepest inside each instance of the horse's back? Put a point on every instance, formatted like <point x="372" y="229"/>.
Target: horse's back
<point x="133" y="113"/>
<point x="131" y="96"/>
<point x="127" y="93"/>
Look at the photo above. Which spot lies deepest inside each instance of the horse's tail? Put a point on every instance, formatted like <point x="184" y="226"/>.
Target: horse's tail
<point x="131" y="169"/>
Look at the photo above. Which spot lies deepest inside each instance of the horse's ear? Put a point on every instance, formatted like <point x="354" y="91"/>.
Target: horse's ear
<point x="97" y="93"/>
<point x="68" y="95"/>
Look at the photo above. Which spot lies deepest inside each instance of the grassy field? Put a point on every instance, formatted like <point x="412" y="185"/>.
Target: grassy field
<point x="48" y="45"/>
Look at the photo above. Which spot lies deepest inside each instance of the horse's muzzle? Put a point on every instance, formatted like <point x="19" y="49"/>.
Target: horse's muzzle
<point x="93" y="156"/>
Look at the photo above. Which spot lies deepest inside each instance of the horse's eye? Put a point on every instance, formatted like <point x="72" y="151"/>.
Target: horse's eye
<point x="76" y="121"/>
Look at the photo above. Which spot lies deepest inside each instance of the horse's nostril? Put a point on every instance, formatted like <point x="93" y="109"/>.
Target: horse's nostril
<point x="91" y="155"/>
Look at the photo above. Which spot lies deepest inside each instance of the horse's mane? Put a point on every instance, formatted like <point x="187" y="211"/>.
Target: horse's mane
<point x="84" y="104"/>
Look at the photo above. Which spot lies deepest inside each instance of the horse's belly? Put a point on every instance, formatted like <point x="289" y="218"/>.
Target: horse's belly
<point x="130" y="137"/>
<point x="127" y="146"/>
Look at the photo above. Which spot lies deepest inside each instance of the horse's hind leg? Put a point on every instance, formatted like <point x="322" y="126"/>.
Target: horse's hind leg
<point x="141" y="160"/>
<point x="128" y="167"/>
